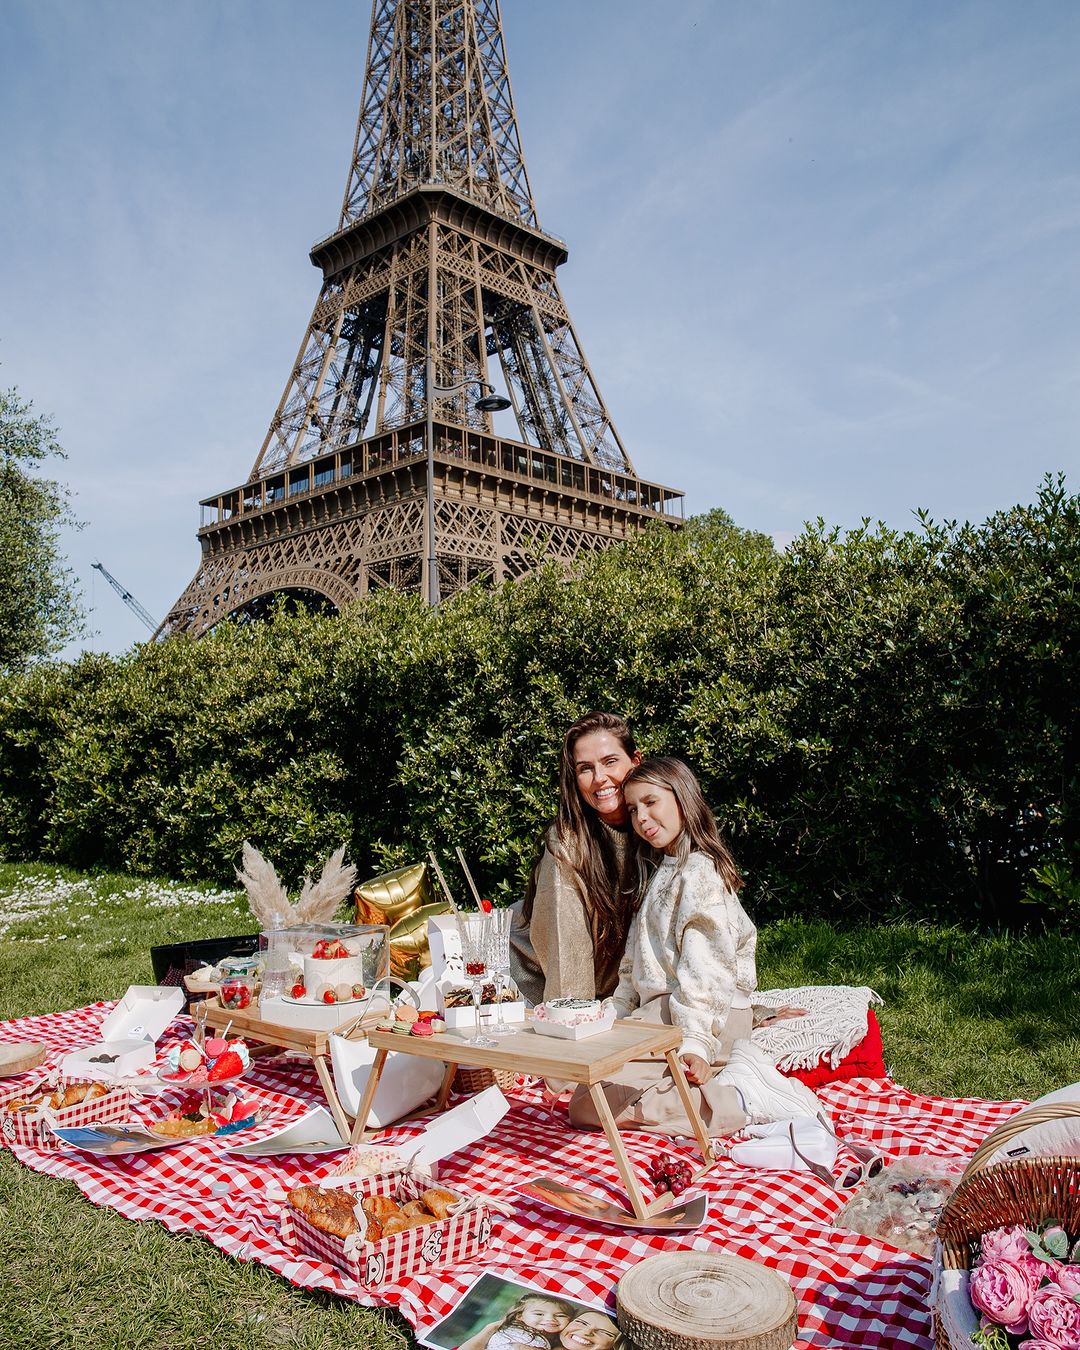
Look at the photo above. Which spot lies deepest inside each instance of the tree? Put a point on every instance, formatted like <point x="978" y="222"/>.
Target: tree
<point x="39" y="608"/>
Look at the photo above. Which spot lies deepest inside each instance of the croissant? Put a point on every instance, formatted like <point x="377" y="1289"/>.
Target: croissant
<point x="328" y="1211"/>
<point x="439" y="1201"/>
<point x="380" y="1205"/>
<point x="75" y="1093"/>
<point x="26" y="1102"/>
<point x="416" y="1220"/>
<point x="380" y="1209"/>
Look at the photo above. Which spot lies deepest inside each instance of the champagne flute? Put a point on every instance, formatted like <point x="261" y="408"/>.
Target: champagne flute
<point x="475" y="930"/>
<point x="500" y="921"/>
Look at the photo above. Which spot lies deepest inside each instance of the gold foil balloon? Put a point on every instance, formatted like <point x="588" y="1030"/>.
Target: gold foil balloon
<point x="403" y="900"/>
<point x="392" y="896"/>
<point x="409" y="949"/>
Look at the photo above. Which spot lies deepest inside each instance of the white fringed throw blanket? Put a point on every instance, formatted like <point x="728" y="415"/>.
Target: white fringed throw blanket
<point x="834" y="1024"/>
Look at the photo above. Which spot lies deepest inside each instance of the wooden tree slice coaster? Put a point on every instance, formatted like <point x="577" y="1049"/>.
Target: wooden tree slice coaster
<point x="698" y="1301"/>
<point x="21" y="1056"/>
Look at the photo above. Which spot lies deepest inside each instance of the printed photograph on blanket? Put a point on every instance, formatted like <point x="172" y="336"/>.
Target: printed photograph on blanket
<point x="683" y="1216"/>
<point x="114" y="1140"/>
<point x="500" y="1314"/>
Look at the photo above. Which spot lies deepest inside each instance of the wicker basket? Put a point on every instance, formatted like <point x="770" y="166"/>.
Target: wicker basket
<point x="469" y="1081"/>
<point x="1030" y="1191"/>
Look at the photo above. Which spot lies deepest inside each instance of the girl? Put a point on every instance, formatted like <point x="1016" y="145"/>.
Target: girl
<point x="689" y="962"/>
<point x="534" y="1320"/>
<point x="569" y="934"/>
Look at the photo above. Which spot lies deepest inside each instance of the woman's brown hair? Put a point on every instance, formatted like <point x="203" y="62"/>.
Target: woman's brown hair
<point x="700" y="832"/>
<point x="605" y="888"/>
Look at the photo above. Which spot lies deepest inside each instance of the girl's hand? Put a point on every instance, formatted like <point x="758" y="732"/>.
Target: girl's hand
<point x="697" y="1069"/>
<point x="480" y="1339"/>
<point x="780" y="1015"/>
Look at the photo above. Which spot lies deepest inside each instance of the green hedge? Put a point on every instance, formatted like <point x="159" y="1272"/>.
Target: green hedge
<point x="883" y="721"/>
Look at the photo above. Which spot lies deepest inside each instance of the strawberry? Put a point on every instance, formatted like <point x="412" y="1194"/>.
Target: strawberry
<point x="329" y="996"/>
<point x="486" y="906"/>
<point x="298" y="990"/>
<point x="228" y="1065"/>
<point x="358" y="991"/>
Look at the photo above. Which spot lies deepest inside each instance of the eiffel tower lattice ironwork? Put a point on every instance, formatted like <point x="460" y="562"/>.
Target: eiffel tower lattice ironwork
<point x="381" y="466"/>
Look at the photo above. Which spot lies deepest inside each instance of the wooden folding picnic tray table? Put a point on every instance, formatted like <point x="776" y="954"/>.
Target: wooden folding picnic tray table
<point x="588" y="1061"/>
<point x="272" y="1038"/>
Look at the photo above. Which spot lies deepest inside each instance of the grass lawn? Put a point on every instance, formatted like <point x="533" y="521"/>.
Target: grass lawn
<point x="964" y="1016"/>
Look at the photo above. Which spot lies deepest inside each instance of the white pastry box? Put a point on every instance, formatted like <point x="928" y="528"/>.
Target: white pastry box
<point x="464" y="1018"/>
<point x="129" y="1034"/>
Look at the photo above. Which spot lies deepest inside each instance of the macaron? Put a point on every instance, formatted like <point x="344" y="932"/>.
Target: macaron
<point x="421" y="1027"/>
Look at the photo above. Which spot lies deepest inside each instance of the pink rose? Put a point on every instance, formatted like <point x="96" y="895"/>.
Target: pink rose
<point x="1056" y="1318"/>
<point x="1067" y="1278"/>
<point x="1005" y="1244"/>
<point x="1002" y="1290"/>
<point x="1037" y="1270"/>
<point x="1038" y="1345"/>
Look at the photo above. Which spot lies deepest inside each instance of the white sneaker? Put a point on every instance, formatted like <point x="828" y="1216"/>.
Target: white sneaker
<point x="766" y="1094"/>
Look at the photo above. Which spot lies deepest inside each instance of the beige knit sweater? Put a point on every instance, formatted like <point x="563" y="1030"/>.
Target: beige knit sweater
<point x="693" y="940"/>
<point x="553" y="957"/>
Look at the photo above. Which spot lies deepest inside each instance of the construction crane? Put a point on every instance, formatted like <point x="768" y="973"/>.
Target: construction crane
<point x="127" y="597"/>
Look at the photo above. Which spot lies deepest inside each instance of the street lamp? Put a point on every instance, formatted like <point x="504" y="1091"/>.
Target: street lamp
<point x="489" y="402"/>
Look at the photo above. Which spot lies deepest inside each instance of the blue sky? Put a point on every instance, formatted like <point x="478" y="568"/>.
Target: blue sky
<point x="824" y="256"/>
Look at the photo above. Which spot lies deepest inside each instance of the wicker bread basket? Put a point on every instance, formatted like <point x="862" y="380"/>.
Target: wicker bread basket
<point x="1030" y="1191"/>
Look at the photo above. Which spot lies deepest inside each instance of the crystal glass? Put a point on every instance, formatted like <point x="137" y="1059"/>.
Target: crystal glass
<point x="499" y="960"/>
<point x="475" y="931"/>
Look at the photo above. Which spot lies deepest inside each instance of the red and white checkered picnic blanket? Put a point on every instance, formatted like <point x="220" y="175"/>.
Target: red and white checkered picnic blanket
<point x="852" y="1291"/>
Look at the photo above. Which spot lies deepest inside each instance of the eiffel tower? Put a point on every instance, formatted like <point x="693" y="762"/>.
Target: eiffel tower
<point x="439" y="311"/>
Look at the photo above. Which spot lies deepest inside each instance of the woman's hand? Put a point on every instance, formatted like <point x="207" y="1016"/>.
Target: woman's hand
<point x="697" y="1069"/>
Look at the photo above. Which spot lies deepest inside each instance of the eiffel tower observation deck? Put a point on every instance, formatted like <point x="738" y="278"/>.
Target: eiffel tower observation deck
<point x="439" y="307"/>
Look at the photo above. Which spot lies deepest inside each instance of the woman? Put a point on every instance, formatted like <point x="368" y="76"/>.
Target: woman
<point x="573" y="924"/>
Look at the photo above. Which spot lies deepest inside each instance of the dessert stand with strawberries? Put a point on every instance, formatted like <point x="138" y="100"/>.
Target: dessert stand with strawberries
<point x="271" y="1038"/>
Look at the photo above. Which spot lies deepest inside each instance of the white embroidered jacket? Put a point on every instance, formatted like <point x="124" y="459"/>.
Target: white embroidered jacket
<point x="693" y="940"/>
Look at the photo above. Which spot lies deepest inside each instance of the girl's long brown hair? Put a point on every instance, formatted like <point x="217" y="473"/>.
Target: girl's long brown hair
<point x="606" y="890"/>
<point x="700" y="832"/>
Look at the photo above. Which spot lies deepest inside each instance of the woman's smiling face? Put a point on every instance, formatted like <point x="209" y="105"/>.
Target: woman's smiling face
<point x="589" y="1331"/>
<point x="600" y="765"/>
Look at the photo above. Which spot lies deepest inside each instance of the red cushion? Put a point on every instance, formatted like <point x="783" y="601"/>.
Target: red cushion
<point x="865" y="1060"/>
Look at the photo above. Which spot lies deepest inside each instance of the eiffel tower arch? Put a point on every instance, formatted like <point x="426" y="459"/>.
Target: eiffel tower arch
<point x="439" y="305"/>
